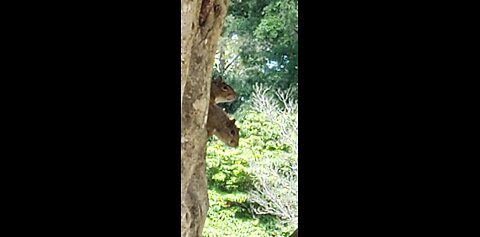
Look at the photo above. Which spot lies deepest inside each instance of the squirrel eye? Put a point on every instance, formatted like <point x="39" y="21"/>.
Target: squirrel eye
<point x="232" y="132"/>
<point x="225" y="88"/>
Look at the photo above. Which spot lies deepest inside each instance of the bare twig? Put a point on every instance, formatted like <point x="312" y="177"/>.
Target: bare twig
<point x="231" y="62"/>
<point x="276" y="178"/>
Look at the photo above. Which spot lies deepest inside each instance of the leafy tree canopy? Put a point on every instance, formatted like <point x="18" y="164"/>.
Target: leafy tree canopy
<point x="259" y="45"/>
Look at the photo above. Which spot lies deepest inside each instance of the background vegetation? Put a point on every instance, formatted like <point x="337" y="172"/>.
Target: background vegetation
<point x="259" y="44"/>
<point x="253" y="188"/>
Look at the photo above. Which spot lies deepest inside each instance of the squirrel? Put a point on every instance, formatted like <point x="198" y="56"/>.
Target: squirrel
<point x="220" y="125"/>
<point x="218" y="122"/>
<point x="221" y="92"/>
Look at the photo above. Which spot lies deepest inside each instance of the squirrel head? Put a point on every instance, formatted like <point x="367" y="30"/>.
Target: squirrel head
<point x="221" y="92"/>
<point x="220" y="125"/>
<point x="230" y="122"/>
<point x="219" y="79"/>
<point x="233" y="132"/>
<point x="228" y="134"/>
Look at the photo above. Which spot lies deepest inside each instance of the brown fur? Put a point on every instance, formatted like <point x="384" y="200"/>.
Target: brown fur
<point x="221" y="92"/>
<point x="220" y="125"/>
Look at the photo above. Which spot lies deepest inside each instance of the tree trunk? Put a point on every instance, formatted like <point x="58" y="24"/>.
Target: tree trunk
<point x="295" y="233"/>
<point x="202" y="22"/>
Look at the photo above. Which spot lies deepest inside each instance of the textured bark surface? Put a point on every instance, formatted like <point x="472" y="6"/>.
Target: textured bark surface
<point x="295" y="233"/>
<point x="202" y="22"/>
<point x="190" y="11"/>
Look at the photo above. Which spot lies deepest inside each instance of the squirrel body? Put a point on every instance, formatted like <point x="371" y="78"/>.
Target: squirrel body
<point x="221" y="92"/>
<point x="220" y="125"/>
<point x="218" y="122"/>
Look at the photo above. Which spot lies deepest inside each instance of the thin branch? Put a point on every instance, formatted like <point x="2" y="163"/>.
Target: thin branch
<point x="230" y="64"/>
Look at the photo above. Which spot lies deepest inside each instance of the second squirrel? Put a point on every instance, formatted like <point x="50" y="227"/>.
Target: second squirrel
<point x="220" y="125"/>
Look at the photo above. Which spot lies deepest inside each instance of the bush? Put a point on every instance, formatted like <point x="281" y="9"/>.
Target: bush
<point x="266" y="158"/>
<point x="227" y="217"/>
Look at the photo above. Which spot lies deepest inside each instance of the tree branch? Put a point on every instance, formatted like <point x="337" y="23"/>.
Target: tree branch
<point x="230" y="64"/>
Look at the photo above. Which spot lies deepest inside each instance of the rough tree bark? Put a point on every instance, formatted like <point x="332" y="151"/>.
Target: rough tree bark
<point x="295" y="233"/>
<point x="190" y="10"/>
<point x="202" y="22"/>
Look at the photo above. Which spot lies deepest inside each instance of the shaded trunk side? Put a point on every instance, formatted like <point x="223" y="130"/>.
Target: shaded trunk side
<point x="190" y="11"/>
<point x="295" y="233"/>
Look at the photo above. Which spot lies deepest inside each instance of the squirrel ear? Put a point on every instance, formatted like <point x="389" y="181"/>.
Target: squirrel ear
<point x="230" y="122"/>
<point x="219" y="78"/>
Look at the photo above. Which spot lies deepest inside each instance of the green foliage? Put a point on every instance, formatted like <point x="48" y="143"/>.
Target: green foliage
<point x="230" y="180"/>
<point x="278" y="23"/>
<point x="227" y="217"/>
<point x="263" y="34"/>
<point x="226" y="167"/>
<point x="258" y="45"/>
<point x="260" y="135"/>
